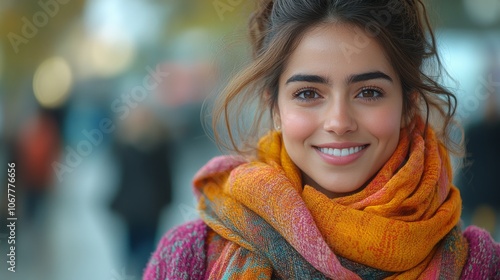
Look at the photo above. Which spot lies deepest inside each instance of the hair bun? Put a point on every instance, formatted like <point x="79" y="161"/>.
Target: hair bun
<point x="259" y="23"/>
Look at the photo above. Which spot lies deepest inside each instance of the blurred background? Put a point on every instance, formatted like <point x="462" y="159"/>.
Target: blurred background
<point x="100" y="111"/>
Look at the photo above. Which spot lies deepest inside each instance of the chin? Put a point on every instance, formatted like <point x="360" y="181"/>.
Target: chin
<point x="340" y="192"/>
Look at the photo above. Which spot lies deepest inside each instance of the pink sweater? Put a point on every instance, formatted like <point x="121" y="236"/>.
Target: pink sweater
<point x="182" y="254"/>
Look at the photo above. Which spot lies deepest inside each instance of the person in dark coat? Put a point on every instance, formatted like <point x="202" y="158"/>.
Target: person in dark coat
<point x="145" y="181"/>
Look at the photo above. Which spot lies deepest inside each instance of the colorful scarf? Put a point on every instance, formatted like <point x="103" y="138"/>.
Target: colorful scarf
<point x="402" y="225"/>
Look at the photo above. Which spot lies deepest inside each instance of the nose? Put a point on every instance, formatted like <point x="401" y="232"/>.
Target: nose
<point x="339" y="118"/>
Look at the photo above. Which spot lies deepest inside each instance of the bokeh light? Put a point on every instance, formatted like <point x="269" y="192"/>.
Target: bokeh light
<point x="108" y="58"/>
<point x="52" y="82"/>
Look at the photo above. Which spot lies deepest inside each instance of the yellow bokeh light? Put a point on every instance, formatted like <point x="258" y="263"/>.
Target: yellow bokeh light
<point x="105" y="58"/>
<point x="52" y="82"/>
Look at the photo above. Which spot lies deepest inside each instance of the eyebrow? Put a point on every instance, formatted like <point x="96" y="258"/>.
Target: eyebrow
<point x="307" y="78"/>
<point x="368" y="76"/>
<point x="351" y="79"/>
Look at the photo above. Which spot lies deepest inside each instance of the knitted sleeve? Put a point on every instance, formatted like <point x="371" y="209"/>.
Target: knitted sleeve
<point x="484" y="255"/>
<point x="180" y="254"/>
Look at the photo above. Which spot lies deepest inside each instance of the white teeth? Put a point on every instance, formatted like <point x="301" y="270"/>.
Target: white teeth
<point x="336" y="152"/>
<point x="341" y="152"/>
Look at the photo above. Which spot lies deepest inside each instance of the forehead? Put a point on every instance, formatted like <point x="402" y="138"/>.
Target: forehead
<point x="335" y="49"/>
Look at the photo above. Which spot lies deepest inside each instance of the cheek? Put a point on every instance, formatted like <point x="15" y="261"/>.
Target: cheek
<point x="297" y="124"/>
<point x="385" y="124"/>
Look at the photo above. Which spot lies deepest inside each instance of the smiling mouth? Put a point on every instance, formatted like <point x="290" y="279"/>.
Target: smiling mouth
<point x="341" y="152"/>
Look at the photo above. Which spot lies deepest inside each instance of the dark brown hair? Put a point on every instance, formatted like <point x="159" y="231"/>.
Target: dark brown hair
<point x="276" y="27"/>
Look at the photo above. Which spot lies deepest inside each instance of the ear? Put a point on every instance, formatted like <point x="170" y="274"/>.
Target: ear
<point x="275" y="112"/>
<point x="276" y="122"/>
<point x="276" y="118"/>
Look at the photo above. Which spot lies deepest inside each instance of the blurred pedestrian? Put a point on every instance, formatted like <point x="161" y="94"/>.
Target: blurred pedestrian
<point x="143" y="155"/>
<point x="38" y="146"/>
<point x="478" y="179"/>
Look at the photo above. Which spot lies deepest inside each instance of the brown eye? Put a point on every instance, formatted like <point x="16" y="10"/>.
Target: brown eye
<point x="307" y="94"/>
<point x="370" y="94"/>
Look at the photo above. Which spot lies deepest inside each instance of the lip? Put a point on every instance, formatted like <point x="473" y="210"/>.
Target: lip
<point x="338" y="160"/>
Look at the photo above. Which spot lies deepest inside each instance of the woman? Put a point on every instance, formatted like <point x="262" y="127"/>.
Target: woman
<point x="351" y="181"/>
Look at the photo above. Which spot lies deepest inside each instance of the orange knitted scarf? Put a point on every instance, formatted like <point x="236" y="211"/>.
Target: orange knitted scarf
<point x="402" y="225"/>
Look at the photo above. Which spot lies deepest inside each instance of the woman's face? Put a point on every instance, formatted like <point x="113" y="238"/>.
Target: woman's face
<point x="340" y="108"/>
